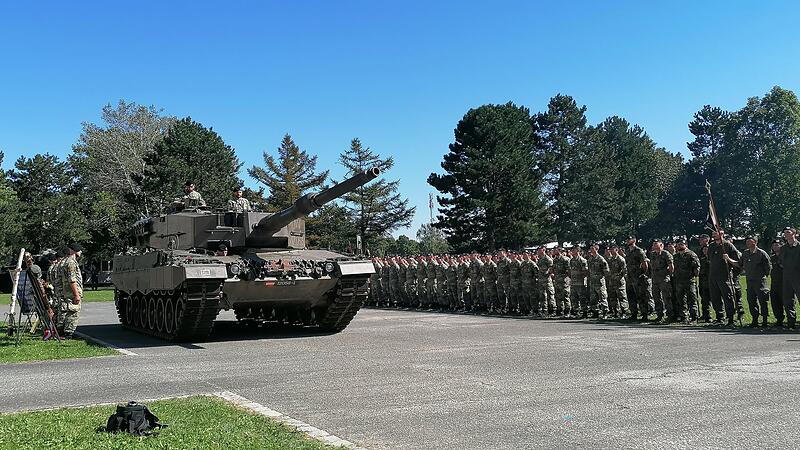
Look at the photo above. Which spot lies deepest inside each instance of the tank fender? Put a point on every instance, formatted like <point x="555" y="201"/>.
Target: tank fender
<point x="355" y="268"/>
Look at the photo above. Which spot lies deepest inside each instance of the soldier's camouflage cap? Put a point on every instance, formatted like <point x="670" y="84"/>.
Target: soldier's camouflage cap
<point x="680" y="240"/>
<point x="703" y="236"/>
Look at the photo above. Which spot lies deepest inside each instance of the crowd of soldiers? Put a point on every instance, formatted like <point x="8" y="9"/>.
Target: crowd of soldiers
<point x="603" y="281"/>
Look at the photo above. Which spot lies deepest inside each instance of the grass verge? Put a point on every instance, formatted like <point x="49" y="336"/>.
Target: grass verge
<point x="33" y="348"/>
<point x="103" y="295"/>
<point x="194" y="423"/>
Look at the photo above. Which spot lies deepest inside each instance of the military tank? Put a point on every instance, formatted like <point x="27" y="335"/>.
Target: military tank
<point x="180" y="281"/>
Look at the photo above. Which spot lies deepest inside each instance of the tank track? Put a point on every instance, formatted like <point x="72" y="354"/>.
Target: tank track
<point x="351" y="293"/>
<point x="185" y="314"/>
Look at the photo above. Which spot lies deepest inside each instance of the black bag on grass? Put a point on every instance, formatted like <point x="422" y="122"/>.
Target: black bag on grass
<point x="133" y="418"/>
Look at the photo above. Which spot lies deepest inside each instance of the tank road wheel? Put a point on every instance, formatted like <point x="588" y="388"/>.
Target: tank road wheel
<point x="180" y="307"/>
<point x="142" y="311"/>
<point x="129" y="311"/>
<point x="151" y="312"/>
<point x="160" y="314"/>
<point x="169" y="316"/>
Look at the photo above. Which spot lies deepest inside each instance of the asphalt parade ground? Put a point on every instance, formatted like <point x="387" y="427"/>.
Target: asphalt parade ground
<point x="410" y="380"/>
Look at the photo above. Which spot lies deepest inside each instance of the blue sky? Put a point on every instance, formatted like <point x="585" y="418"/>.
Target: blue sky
<point x="398" y="75"/>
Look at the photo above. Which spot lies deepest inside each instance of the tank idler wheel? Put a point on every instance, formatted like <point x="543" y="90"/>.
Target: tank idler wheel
<point x="160" y="314"/>
<point x="169" y="316"/>
<point x="151" y="313"/>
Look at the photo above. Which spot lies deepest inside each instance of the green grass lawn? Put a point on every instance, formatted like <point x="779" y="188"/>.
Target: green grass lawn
<point x="194" y="423"/>
<point x="103" y="295"/>
<point x="33" y="348"/>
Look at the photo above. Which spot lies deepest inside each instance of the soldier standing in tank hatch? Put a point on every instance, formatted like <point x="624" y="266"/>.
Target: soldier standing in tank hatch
<point x="561" y="282"/>
<point x="687" y="266"/>
<point x="192" y="198"/>
<point x="239" y="204"/>
<point x="776" y="283"/>
<point x="757" y="266"/>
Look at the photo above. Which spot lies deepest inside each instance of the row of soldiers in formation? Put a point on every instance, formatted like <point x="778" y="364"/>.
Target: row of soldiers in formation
<point x="603" y="281"/>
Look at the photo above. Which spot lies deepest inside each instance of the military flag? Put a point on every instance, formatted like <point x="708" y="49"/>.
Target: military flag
<point x="712" y="220"/>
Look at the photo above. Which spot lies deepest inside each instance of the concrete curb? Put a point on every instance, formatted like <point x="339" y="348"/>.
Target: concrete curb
<point x="310" y="431"/>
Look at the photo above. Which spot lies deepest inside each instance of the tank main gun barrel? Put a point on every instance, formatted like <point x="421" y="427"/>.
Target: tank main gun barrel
<point x="309" y="203"/>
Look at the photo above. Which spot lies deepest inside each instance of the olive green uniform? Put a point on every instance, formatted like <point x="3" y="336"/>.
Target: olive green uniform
<point x="687" y="266"/>
<point x="617" y="294"/>
<point x="561" y="284"/>
<point x="579" y="295"/>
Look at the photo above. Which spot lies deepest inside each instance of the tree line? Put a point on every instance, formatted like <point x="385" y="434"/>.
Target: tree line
<point x="135" y="162"/>
<point x="512" y="178"/>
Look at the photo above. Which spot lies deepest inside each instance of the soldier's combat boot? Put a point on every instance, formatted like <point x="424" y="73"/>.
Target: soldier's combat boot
<point x="731" y="323"/>
<point x="764" y="322"/>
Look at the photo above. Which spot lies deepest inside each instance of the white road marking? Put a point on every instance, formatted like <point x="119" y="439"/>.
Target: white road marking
<point x="104" y="343"/>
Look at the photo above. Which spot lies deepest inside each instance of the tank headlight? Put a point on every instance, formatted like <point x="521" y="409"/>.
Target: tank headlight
<point x="329" y="267"/>
<point x="236" y="268"/>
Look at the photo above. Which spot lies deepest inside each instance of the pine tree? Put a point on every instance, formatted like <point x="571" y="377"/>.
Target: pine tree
<point x="191" y="152"/>
<point x="290" y="176"/>
<point x="376" y="208"/>
<point x="491" y="188"/>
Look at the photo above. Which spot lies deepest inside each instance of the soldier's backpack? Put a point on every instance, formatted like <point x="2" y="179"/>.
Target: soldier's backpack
<point x="133" y="418"/>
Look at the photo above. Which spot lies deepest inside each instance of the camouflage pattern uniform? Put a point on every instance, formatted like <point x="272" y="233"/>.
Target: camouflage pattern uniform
<point x="705" y="291"/>
<point x="719" y="276"/>
<point x="776" y="287"/>
<point x="546" y="290"/>
<point x="476" y="283"/>
<point x="662" y="289"/>
<point x="422" y="274"/>
<point x="375" y="283"/>
<point x="598" y="296"/>
<point x="687" y="266"/>
<point x="561" y="284"/>
<point x="617" y="295"/>
<point x="503" y="282"/>
<point x="579" y="296"/>
<point x="452" y="283"/>
<point x="386" y="286"/>
<point x="463" y="281"/>
<point x="71" y="273"/>
<point x="402" y="278"/>
<point x="57" y="282"/>
<point x="757" y="266"/>
<point x="394" y="283"/>
<point x="528" y="293"/>
<point x="430" y="283"/>
<point x="411" y="282"/>
<point x="490" y="283"/>
<point x="640" y="298"/>
<point x="441" y="283"/>
<point x="515" y="295"/>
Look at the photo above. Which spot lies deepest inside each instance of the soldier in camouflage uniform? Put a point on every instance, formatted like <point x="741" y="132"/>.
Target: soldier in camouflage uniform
<point x="662" y="267"/>
<point x="430" y="279"/>
<point x="561" y="282"/>
<point x="490" y="283"/>
<point x="578" y="271"/>
<point x="402" y="278"/>
<point x="776" y="283"/>
<point x="476" y="283"/>
<point x="375" y="282"/>
<point x="72" y="280"/>
<point x="452" y="283"/>
<point x="57" y="284"/>
<point x="528" y="273"/>
<point x="615" y="280"/>
<point x="687" y="267"/>
<point x="503" y="281"/>
<point x="757" y="266"/>
<point x="547" y="302"/>
<point x="422" y="283"/>
<point x="515" y="304"/>
<point x="463" y="282"/>
<point x="598" y="269"/>
<point x="394" y="282"/>
<point x="442" y="295"/>
<point x="411" y="282"/>
<point x="705" y="290"/>
<point x="640" y="297"/>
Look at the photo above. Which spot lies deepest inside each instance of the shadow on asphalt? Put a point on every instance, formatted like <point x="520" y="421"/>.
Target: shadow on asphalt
<point x="223" y="331"/>
<point x="603" y="324"/>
